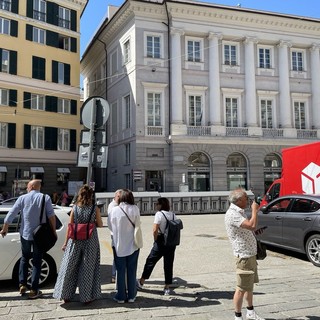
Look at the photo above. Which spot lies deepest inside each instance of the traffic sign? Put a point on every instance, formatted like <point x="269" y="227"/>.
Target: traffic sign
<point x="102" y="112"/>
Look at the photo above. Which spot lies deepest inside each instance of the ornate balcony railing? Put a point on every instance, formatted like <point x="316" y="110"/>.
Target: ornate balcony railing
<point x="198" y="131"/>
<point x="272" y="133"/>
<point x="154" y="131"/>
<point x="306" y="134"/>
<point x="236" y="132"/>
<point x="267" y="133"/>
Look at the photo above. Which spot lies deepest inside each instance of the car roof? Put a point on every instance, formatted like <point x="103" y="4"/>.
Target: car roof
<point x="9" y="201"/>
<point x="301" y="196"/>
<point x="57" y="209"/>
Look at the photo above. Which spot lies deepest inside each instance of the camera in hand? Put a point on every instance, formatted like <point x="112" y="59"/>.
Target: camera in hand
<point x="257" y="199"/>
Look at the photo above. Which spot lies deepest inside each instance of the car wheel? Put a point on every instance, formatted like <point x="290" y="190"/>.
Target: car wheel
<point x="48" y="271"/>
<point x="313" y="249"/>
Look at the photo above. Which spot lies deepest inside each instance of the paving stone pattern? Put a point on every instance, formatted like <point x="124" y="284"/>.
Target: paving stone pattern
<point x="204" y="283"/>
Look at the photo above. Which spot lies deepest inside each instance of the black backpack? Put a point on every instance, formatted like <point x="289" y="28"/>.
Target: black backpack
<point x="172" y="231"/>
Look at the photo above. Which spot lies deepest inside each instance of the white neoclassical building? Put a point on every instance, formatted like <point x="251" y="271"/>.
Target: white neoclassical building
<point x="202" y="97"/>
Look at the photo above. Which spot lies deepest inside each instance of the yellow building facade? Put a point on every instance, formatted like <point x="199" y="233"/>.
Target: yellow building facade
<point x="39" y="93"/>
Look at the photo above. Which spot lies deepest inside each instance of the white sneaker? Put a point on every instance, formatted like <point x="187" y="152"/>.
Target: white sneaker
<point x="168" y="292"/>
<point x="117" y="300"/>
<point x="238" y="318"/>
<point x="251" y="315"/>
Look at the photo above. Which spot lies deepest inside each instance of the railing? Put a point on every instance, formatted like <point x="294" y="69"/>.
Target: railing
<point x="237" y="132"/>
<point x="181" y="202"/>
<point x="198" y="131"/>
<point x="306" y="134"/>
<point x="272" y="133"/>
<point x="64" y="23"/>
<point x="38" y="15"/>
<point x="154" y="131"/>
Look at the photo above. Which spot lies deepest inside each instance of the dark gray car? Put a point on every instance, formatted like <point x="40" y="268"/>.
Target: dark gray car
<point x="293" y="223"/>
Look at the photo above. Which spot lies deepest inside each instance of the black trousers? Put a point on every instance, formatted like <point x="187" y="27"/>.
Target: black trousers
<point x="157" y="252"/>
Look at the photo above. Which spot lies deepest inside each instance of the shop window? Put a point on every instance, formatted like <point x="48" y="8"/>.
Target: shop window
<point x="37" y="173"/>
<point x="63" y="175"/>
<point x="3" y="175"/>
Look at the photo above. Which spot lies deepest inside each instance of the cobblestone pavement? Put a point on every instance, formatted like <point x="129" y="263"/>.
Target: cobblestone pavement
<point x="204" y="283"/>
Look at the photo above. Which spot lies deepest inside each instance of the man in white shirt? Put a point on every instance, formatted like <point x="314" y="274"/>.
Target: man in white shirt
<point x="241" y="231"/>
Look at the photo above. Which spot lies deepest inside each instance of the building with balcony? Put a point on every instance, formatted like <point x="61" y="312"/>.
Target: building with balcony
<point x="39" y="93"/>
<point x="203" y="97"/>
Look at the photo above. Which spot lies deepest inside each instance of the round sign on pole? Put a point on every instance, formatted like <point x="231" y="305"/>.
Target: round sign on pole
<point x="102" y="112"/>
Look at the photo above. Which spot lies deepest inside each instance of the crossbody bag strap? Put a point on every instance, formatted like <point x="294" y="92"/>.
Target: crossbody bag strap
<point x="128" y="217"/>
<point x="166" y="219"/>
<point x="75" y="218"/>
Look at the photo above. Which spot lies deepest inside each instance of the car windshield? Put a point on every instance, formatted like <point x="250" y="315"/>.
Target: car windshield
<point x="15" y="225"/>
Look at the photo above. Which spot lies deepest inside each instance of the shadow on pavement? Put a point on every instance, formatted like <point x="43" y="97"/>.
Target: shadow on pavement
<point x="288" y="253"/>
<point x="177" y="300"/>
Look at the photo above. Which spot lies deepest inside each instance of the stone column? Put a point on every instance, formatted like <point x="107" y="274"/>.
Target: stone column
<point x="315" y="85"/>
<point x="284" y="86"/>
<point x="176" y="76"/>
<point x="214" y="79"/>
<point x="250" y="83"/>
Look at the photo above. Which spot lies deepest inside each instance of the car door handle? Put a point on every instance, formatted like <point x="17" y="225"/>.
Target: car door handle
<point x="278" y="218"/>
<point x="307" y="219"/>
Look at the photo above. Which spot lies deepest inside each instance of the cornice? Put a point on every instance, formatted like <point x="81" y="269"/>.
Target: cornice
<point x="235" y="17"/>
<point x="74" y="4"/>
<point x="132" y="9"/>
<point x="210" y="15"/>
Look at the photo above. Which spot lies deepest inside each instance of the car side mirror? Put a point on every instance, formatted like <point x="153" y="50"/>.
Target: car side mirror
<point x="263" y="209"/>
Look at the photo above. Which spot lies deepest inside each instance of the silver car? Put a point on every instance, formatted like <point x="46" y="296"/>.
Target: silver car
<point x="293" y="223"/>
<point x="10" y="248"/>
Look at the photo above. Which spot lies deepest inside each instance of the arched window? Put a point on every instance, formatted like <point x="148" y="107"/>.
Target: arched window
<point x="198" y="172"/>
<point x="237" y="168"/>
<point x="198" y="159"/>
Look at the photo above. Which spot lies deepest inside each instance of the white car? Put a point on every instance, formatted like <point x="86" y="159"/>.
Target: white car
<point x="10" y="248"/>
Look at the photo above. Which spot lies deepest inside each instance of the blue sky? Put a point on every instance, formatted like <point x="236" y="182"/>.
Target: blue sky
<point x="96" y="11"/>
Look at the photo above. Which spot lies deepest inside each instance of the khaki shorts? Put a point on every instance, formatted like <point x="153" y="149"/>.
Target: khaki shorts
<point x="247" y="273"/>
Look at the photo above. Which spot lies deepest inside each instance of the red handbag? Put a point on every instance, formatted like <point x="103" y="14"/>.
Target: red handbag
<point x="81" y="231"/>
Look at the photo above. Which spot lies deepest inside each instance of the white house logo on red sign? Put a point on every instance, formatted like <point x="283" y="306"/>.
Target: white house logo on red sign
<point x="310" y="178"/>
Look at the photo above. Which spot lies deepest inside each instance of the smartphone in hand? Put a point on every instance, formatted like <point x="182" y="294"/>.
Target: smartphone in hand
<point x="260" y="230"/>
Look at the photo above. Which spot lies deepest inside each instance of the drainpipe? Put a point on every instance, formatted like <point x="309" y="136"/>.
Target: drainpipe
<point x="169" y="65"/>
<point x="168" y="140"/>
<point x="104" y="170"/>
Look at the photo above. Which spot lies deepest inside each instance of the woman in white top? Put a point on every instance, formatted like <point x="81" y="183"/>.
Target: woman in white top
<point x="120" y="222"/>
<point x="159" y="250"/>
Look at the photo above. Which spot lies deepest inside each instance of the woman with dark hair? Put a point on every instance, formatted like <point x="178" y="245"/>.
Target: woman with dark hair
<point x="121" y="221"/>
<point x="159" y="250"/>
<point x="80" y="266"/>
